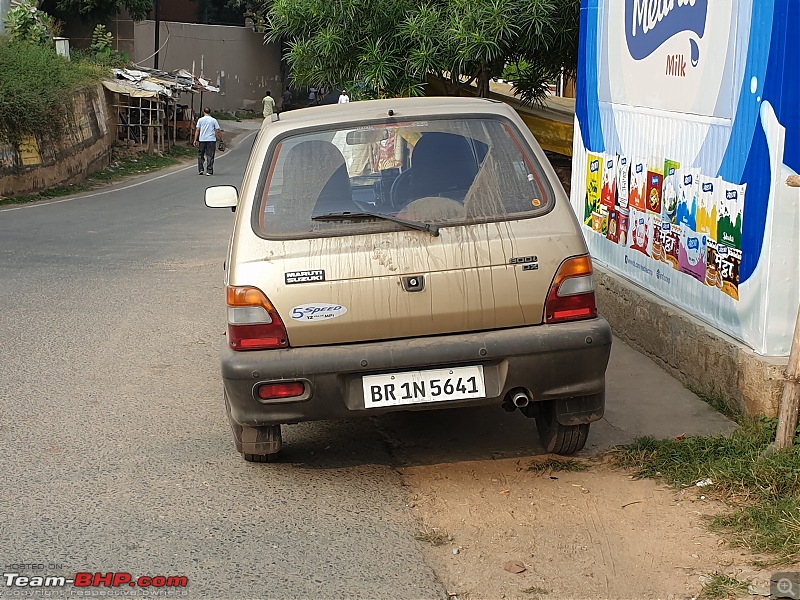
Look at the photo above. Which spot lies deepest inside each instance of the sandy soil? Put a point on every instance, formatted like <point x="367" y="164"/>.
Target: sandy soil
<point x="593" y="534"/>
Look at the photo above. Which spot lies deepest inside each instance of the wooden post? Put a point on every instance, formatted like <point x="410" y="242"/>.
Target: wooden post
<point x="790" y="401"/>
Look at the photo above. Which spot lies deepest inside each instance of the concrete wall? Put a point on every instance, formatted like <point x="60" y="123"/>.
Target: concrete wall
<point x="701" y="357"/>
<point x="120" y="26"/>
<point x="235" y="58"/>
<point x="84" y="148"/>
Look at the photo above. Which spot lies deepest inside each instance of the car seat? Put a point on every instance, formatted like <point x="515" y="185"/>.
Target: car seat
<point x="442" y="164"/>
<point x="315" y="180"/>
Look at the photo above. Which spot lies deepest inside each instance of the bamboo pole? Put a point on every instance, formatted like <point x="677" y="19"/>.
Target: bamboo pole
<point x="790" y="401"/>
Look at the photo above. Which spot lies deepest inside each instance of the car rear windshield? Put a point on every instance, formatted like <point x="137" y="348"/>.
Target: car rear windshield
<point x="446" y="172"/>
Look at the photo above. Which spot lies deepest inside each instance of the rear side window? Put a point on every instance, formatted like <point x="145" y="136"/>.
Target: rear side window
<point x="448" y="172"/>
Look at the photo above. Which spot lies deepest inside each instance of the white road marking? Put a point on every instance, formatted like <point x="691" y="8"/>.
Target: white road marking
<point x="116" y="189"/>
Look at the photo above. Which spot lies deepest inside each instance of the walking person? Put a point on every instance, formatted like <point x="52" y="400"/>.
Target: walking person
<point x="269" y="105"/>
<point x="287" y="99"/>
<point x="206" y="135"/>
<point x="343" y="97"/>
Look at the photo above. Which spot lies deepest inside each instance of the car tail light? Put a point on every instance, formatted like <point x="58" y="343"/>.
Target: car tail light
<point x="253" y="323"/>
<point x="274" y="391"/>
<point x="571" y="295"/>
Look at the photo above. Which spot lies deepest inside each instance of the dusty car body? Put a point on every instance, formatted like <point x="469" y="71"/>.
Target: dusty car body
<point x="406" y="254"/>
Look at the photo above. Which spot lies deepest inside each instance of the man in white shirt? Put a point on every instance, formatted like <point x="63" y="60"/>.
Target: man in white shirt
<point x="343" y="97"/>
<point x="205" y="138"/>
<point x="269" y="105"/>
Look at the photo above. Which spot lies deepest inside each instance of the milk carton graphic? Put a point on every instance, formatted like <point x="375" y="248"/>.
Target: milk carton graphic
<point x="638" y="186"/>
<point x="671" y="189"/>
<point x="731" y="211"/>
<point x="692" y="253"/>
<point x="608" y="196"/>
<point x="687" y="198"/>
<point x="623" y="177"/>
<point x="707" y="206"/>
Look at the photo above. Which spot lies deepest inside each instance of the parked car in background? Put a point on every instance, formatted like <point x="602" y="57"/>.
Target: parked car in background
<point x="406" y="254"/>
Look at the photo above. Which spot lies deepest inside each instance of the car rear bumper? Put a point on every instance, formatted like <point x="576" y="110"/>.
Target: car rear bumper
<point x="553" y="362"/>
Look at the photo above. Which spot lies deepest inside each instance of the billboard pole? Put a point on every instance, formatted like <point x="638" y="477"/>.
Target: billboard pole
<point x="790" y="401"/>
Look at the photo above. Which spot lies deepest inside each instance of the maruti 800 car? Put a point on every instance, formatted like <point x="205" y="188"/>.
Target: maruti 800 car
<point x="406" y="254"/>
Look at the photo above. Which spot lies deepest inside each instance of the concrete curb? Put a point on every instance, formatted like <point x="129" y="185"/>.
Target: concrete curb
<point x="702" y="358"/>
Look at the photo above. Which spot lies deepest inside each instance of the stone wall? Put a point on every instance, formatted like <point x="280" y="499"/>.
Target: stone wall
<point x="698" y="355"/>
<point x="84" y="148"/>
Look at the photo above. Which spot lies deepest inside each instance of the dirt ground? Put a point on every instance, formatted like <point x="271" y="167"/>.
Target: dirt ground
<point x="594" y="534"/>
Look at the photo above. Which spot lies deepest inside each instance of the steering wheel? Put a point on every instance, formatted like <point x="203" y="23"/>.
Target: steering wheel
<point x="400" y="192"/>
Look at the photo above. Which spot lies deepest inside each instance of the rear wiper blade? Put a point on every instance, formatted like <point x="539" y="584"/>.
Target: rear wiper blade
<point x="344" y="216"/>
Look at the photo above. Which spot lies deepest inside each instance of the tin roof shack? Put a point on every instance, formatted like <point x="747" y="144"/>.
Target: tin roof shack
<point x="149" y="112"/>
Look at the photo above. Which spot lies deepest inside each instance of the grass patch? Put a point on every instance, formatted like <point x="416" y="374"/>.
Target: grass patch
<point x="121" y="168"/>
<point x="434" y="537"/>
<point x="721" y="586"/>
<point x="550" y="465"/>
<point x="762" y="490"/>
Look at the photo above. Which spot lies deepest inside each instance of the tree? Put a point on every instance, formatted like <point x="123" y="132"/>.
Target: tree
<point x="390" y="47"/>
<point x="97" y="9"/>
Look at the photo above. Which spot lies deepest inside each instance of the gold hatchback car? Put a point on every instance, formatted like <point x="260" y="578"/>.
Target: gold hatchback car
<point x="406" y="254"/>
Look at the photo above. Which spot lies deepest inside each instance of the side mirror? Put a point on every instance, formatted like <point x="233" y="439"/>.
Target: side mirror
<point x="222" y="196"/>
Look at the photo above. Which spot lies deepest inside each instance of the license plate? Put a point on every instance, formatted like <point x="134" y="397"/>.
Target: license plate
<point x="417" y="387"/>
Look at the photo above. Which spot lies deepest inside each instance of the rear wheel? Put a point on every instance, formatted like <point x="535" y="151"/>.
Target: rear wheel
<point x="256" y="444"/>
<point x="558" y="438"/>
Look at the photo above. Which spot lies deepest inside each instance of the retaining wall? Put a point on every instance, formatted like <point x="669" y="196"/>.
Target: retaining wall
<point x="85" y="147"/>
<point x="702" y="358"/>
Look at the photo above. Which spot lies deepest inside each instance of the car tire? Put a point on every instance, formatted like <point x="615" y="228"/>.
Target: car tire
<point x="557" y="438"/>
<point x="267" y="437"/>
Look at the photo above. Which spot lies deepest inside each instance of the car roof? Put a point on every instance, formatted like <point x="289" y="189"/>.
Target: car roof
<point x="369" y="110"/>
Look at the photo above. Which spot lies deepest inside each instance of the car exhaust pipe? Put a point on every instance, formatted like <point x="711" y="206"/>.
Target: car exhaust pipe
<point x="520" y="399"/>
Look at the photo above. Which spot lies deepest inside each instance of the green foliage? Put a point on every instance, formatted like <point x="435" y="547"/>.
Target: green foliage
<point x="35" y="84"/>
<point x="102" y="40"/>
<point x="379" y="48"/>
<point x="27" y="24"/>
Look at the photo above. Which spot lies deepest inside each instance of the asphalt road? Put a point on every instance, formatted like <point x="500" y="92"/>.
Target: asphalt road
<point x="115" y="452"/>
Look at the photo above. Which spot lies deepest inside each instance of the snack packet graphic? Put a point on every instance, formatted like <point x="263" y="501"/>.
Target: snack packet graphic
<point x="671" y="188"/>
<point x="613" y="226"/>
<point x="713" y="276"/>
<point x="655" y="182"/>
<point x="640" y="233"/>
<point x="707" y="206"/>
<point x="671" y="242"/>
<point x="728" y="261"/>
<point x="608" y="195"/>
<point x="594" y="174"/>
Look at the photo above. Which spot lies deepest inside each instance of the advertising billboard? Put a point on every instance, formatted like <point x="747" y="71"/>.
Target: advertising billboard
<point x="687" y="125"/>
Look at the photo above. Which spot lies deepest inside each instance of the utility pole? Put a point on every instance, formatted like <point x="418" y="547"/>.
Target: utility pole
<point x="158" y="27"/>
<point x="790" y="401"/>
